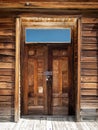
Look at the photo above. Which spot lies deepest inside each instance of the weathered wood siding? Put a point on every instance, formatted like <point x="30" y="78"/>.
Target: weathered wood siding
<point x="12" y="1"/>
<point x="89" y="68"/>
<point x="7" y="68"/>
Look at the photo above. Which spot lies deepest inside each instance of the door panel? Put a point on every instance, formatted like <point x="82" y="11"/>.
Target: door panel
<point x="60" y="82"/>
<point x="36" y="81"/>
<point x="46" y="80"/>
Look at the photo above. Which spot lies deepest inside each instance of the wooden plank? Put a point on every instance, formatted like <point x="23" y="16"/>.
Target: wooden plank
<point x="7" y="65"/>
<point x="89" y="39"/>
<point x="7" y="46"/>
<point x="6" y="92"/>
<point x="89" y="92"/>
<point x="7" y="39"/>
<point x="5" y="85"/>
<point x="7" y="72"/>
<point x="48" y="123"/>
<point x="6" y="118"/>
<point x="52" y="21"/>
<point x="79" y="71"/>
<point x="89" y="101"/>
<point x="6" y="99"/>
<point x="9" y="52"/>
<point x="90" y="27"/>
<point x="7" y="32"/>
<point x="6" y="20"/>
<point x="89" y="65"/>
<point x="35" y="80"/>
<point x="89" y="105"/>
<point x="89" y="59"/>
<point x="60" y="79"/>
<point x="89" y="20"/>
<point x="87" y="53"/>
<point x="60" y="110"/>
<point x="17" y="72"/>
<point x="7" y="78"/>
<point x="89" y="85"/>
<point x="90" y="72"/>
<point x="89" y="79"/>
<point x="89" y="33"/>
<point x="7" y="59"/>
<point x="25" y="81"/>
<point x="90" y="46"/>
<point x="55" y="5"/>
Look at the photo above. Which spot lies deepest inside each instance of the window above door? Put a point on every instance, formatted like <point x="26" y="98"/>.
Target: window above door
<point x="33" y="35"/>
<point x="48" y="30"/>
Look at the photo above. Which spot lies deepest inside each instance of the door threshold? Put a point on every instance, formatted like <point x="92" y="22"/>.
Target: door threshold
<point x="47" y="116"/>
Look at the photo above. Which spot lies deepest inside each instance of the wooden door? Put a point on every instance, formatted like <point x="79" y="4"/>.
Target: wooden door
<point x="59" y="66"/>
<point x="46" y="80"/>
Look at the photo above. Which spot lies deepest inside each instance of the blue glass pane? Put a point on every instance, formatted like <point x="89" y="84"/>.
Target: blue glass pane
<point x="48" y="35"/>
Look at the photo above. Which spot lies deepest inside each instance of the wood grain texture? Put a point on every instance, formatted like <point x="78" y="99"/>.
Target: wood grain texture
<point x="89" y="68"/>
<point x="17" y="72"/>
<point x="79" y="71"/>
<point x="7" y="68"/>
<point x="46" y="123"/>
<point x="55" y="5"/>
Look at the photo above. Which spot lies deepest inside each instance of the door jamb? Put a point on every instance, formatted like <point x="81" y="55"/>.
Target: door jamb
<point x="78" y="72"/>
<point x="17" y="72"/>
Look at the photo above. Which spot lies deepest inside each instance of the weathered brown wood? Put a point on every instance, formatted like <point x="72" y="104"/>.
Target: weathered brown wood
<point x="89" y="65"/>
<point x="17" y="72"/>
<point x="78" y="71"/>
<point x="90" y="27"/>
<point x="6" y="92"/>
<point x="89" y="20"/>
<point x="89" y="59"/>
<point x="6" y="99"/>
<point x="89" y="39"/>
<point x="88" y="53"/>
<point x="7" y="52"/>
<point x="89" y="85"/>
<point x="90" y="79"/>
<point x="89" y="33"/>
<point x="89" y="48"/>
<point x="7" y="72"/>
<point x="89" y="68"/>
<point x="61" y="5"/>
<point x="25" y="71"/>
<point x="89" y="92"/>
<point x="7" y="59"/>
<point x="7" y="46"/>
<point x="89" y="105"/>
<point x="7" y="78"/>
<point x="7" y="65"/>
<point x="35" y="80"/>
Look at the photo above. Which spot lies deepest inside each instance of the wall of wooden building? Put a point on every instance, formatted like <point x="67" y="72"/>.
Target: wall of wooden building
<point x="7" y="68"/>
<point x="89" y="68"/>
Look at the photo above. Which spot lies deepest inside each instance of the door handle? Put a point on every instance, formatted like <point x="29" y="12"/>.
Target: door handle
<point x="48" y="77"/>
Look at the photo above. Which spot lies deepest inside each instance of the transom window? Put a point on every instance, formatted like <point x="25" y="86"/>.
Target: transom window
<point x="45" y="35"/>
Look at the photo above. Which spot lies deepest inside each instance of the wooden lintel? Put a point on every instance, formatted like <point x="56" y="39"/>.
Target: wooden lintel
<point x="50" y="5"/>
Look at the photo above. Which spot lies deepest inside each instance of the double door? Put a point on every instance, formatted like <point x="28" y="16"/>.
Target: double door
<point x="46" y="80"/>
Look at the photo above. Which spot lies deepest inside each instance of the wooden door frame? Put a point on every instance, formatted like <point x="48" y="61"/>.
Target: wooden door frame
<point x="17" y="70"/>
<point x="78" y="72"/>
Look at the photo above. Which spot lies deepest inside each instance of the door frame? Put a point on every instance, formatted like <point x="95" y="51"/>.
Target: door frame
<point x="20" y="43"/>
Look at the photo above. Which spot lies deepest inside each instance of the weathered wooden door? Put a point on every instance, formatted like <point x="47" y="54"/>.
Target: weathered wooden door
<point x="46" y="80"/>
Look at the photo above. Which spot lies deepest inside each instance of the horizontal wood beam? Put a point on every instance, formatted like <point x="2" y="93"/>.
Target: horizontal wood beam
<point x="50" y="5"/>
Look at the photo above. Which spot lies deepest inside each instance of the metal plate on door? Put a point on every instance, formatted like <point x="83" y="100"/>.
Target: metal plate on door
<point x="48" y="73"/>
